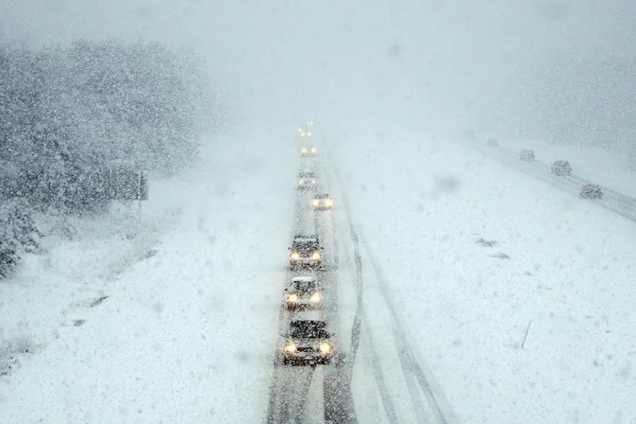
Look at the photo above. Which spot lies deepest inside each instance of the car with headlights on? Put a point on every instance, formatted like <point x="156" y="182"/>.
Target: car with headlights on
<point x="307" y="180"/>
<point x="307" y="342"/>
<point x="308" y="151"/>
<point x="527" y="155"/>
<point x="305" y="251"/>
<point x="322" y="202"/>
<point x="592" y="191"/>
<point x="304" y="292"/>
<point x="562" y="167"/>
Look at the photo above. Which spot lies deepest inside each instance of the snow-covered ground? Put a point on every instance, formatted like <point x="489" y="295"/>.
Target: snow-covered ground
<point x="476" y="252"/>
<point x="187" y="333"/>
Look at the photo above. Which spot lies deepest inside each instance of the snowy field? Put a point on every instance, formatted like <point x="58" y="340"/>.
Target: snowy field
<point x="175" y="319"/>
<point x="186" y="334"/>
<point x="475" y="253"/>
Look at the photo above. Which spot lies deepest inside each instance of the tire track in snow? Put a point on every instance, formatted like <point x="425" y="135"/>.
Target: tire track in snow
<point x="411" y="367"/>
<point x="360" y="317"/>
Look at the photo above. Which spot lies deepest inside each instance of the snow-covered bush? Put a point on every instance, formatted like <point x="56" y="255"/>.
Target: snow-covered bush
<point x="18" y="233"/>
<point x="69" y="114"/>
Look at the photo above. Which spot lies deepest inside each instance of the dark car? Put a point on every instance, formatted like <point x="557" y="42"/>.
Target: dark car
<point x="322" y="202"/>
<point x="527" y="155"/>
<point x="308" y="151"/>
<point x="592" y="191"/>
<point x="304" y="292"/>
<point x="305" y="251"/>
<point x="307" y="180"/>
<point x="562" y="167"/>
<point x="307" y="343"/>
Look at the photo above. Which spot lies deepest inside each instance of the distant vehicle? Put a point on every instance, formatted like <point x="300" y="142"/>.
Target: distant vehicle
<point x="492" y="142"/>
<point x="305" y="251"/>
<point x="308" y="151"/>
<point x="592" y="191"/>
<point x="306" y="129"/>
<point x="527" y="155"/>
<point x="322" y="202"/>
<point x="304" y="293"/>
<point x="562" y="167"/>
<point x="307" y="180"/>
<point x="307" y="343"/>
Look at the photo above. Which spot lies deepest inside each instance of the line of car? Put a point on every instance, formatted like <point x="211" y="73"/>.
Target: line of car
<point x="307" y="340"/>
<point x="558" y="168"/>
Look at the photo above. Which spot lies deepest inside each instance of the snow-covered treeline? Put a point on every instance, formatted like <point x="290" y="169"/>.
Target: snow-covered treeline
<point x="67" y="113"/>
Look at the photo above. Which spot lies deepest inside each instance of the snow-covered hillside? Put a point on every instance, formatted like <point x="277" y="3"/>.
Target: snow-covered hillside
<point x="475" y="253"/>
<point x="185" y="335"/>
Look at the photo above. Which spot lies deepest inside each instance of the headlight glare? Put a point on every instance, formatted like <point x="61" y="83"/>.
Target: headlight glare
<point x="324" y="347"/>
<point x="315" y="255"/>
<point x="295" y="256"/>
<point x="291" y="347"/>
<point x="315" y="298"/>
<point x="292" y="298"/>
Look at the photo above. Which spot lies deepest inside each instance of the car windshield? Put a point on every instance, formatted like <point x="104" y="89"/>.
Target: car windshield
<point x="308" y="330"/>
<point x="306" y="175"/>
<point x="304" y="285"/>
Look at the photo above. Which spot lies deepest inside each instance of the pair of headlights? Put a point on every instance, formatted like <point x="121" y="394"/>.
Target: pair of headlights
<point x="315" y="298"/>
<point x="323" y="348"/>
<point x="303" y="182"/>
<point x="296" y="256"/>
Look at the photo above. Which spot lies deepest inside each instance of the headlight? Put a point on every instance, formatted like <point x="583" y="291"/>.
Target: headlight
<point x="328" y="202"/>
<point x="316" y="297"/>
<point x="295" y="256"/>
<point x="308" y="133"/>
<point x="315" y="255"/>
<point x="315" y="202"/>
<point x="303" y="150"/>
<point x="314" y="150"/>
<point x="324" y="347"/>
<point x="291" y="348"/>
<point x="292" y="298"/>
<point x="313" y="181"/>
<point x="301" y="182"/>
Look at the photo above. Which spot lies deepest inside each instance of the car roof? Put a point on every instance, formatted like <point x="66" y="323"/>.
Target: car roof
<point x="306" y="174"/>
<point x="306" y="237"/>
<point x="304" y="279"/>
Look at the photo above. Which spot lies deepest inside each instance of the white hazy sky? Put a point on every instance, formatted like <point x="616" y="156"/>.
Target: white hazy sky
<point x="441" y="64"/>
